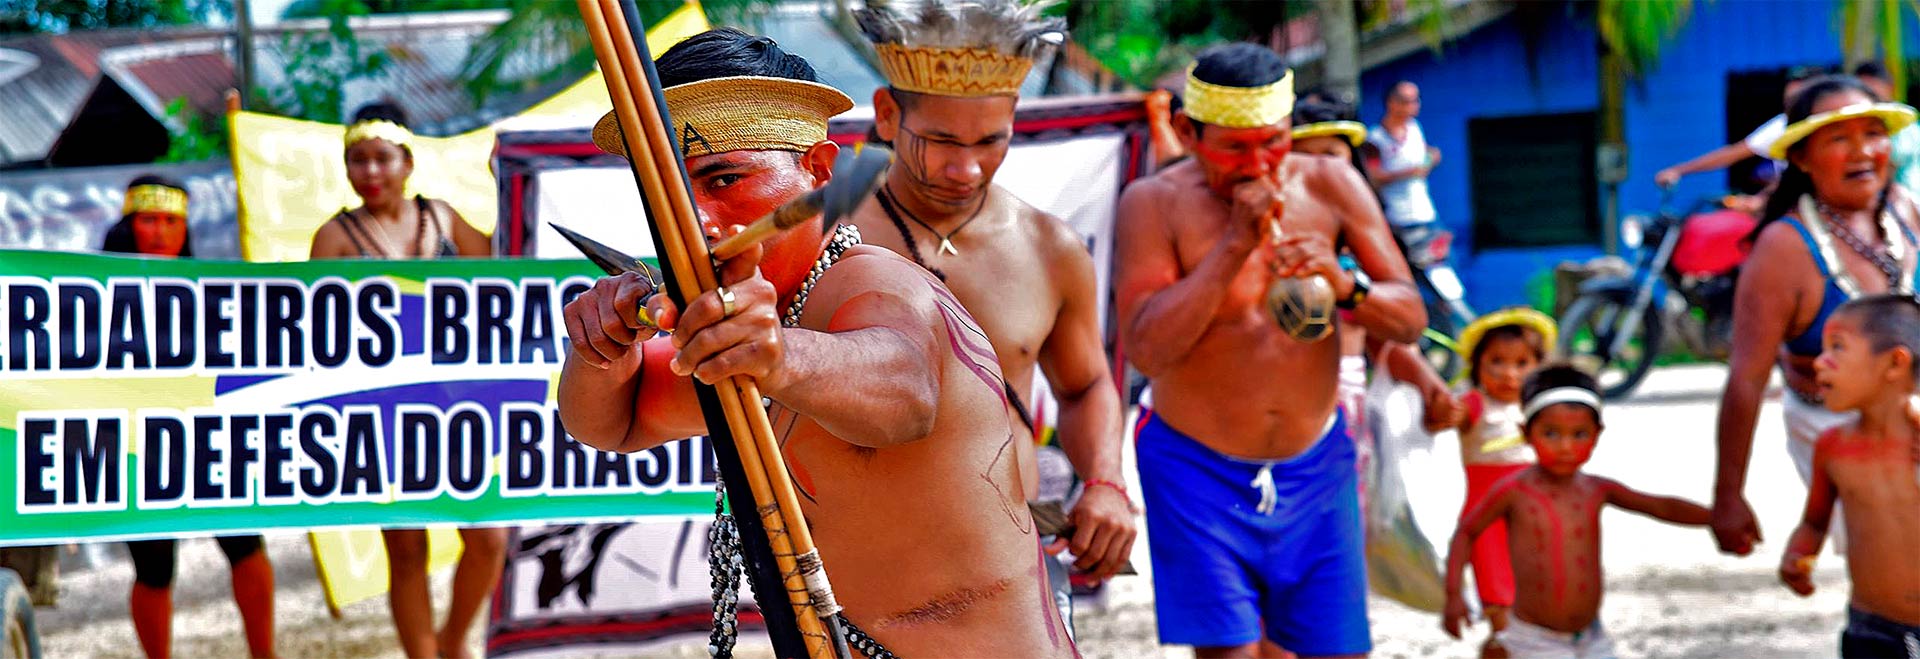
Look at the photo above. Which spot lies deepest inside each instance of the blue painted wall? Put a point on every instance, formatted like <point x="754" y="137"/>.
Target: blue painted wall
<point x="1673" y="113"/>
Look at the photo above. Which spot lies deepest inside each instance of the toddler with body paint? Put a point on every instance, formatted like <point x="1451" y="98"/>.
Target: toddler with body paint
<point x="1552" y="511"/>
<point x="1868" y="365"/>
<point x="1502" y="349"/>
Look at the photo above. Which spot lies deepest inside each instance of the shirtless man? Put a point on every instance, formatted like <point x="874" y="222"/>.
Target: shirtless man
<point x="886" y="399"/>
<point x="1245" y="465"/>
<point x="1025" y="275"/>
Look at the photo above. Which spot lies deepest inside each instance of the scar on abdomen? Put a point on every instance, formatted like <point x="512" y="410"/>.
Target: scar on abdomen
<point x="1001" y="495"/>
<point x="946" y="608"/>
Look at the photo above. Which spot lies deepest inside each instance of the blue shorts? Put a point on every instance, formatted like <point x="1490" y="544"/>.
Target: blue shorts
<point x="1245" y="546"/>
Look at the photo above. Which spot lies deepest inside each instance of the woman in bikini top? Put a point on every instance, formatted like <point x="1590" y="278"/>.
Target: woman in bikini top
<point x="1834" y="228"/>
<point x="386" y="225"/>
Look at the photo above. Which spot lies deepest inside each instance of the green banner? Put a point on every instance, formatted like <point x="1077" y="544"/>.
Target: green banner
<point x="147" y="397"/>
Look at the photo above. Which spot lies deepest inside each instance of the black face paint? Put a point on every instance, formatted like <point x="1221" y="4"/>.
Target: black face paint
<point x="912" y="149"/>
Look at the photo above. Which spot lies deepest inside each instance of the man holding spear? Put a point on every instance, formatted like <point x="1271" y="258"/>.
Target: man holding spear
<point x="884" y="395"/>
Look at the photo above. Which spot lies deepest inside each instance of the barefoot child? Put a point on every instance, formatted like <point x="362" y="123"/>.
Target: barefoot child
<point x="1502" y="349"/>
<point x="1552" y="511"/>
<point x="1868" y="365"/>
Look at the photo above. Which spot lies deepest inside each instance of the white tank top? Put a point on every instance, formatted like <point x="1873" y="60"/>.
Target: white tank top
<point x="1406" y="200"/>
<point x="1495" y="438"/>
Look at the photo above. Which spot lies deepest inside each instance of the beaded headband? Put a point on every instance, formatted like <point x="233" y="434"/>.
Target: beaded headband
<point x="153" y="198"/>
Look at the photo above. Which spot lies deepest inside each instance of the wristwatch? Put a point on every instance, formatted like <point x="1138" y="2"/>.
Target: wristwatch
<point x="1362" y="285"/>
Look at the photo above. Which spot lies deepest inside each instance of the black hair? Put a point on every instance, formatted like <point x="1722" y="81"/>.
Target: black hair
<point x="381" y="111"/>
<point x="119" y="237"/>
<point x="1318" y="111"/>
<point x="385" y="111"/>
<point x="1794" y="182"/>
<point x="1557" y="376"/>
<point x="1238" y="64"/>
<point x="1888" y="320"/>
<point x="1807" y="72"/>
<point x="1515" y="331"/>
<point x="727" y="52"/>
<point x="1313" y="112"/>
<point x="1870" y="69"/>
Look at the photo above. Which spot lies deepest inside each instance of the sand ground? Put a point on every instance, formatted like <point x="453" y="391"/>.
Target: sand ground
<point x="1670" y="594"/>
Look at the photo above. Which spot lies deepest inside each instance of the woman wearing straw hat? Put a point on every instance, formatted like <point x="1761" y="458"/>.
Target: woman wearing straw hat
<point x="1835" y="228"/>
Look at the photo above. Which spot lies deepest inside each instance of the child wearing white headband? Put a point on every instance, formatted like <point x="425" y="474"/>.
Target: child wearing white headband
<point x="1552" y="511"/>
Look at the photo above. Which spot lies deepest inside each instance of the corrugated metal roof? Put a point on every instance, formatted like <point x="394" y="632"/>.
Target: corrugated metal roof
<point x="45" y="78"/>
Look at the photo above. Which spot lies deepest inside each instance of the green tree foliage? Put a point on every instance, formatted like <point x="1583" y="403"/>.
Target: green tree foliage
<point x="199" y="138"/>
<point x="1141" y="40"/>
<point x="555" y="29"/>
<point x="58" y="16"/>
<point x="318" y="65"/>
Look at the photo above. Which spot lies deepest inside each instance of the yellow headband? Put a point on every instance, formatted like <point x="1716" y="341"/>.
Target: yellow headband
<point x="1522" y="316"/>
<point x="1239" y="107"/>
<point x="740" y="113"/>
<point x="962" y="72"/>
<point x="1354" y="131"/>
<point x="378" y="129"/>
<point x="155" y="199"/>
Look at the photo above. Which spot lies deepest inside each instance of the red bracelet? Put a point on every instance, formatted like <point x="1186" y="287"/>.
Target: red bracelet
<point x="1122" y="489"/>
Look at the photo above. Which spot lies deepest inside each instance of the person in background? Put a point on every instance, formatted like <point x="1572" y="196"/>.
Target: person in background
<point x="1502" y="349"/>
<point x="1325" y="127"/>
<point x="1755" y="145"/>
<point x="1830" y="233"/>
<point x="154" y="223"/>
<point x="1868" y="368"/>
<point x="1399" y="159"/>
<point x="1553" y="511"/>
<point x="388" y="225"/>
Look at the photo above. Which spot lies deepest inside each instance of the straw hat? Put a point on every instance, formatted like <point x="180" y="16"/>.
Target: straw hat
<point x="740" y="113"/>
<point x="1522" y="316"/>
<point x="1354" y="131"/>
<point x="1897" y="116"/>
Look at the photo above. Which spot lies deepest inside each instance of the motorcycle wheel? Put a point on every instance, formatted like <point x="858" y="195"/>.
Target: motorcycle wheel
<point x="1440" y="354"/>
<point x="18" y="636"/>
<point x="1591" y="323"/>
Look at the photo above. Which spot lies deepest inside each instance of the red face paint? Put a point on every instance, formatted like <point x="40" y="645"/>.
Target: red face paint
<point x="159" y="234"/>
<point x="1231" y="156"/>
<point x="1563" y="437"/>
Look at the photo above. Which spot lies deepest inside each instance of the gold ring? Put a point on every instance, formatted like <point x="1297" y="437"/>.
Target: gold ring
<point x="726" y="301"/>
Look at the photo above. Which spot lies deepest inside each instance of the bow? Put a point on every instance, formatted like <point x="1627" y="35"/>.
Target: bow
<point x="778" y="546"/>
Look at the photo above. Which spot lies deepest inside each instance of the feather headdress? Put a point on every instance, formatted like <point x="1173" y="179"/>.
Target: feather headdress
<point x="960" y="47"/>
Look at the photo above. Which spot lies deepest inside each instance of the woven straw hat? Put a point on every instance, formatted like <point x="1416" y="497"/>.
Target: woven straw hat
<point x="1354" y="131"/>
<point x="1896" y="115"/>
<point x="740" y="113"/>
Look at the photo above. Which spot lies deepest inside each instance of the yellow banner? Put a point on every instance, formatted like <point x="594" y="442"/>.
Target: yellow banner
<point x="292" y="177"/>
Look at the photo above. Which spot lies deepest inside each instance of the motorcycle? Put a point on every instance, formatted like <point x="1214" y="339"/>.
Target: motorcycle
<point x="1683" y="283"/>
<point x="1427" y="247"/>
